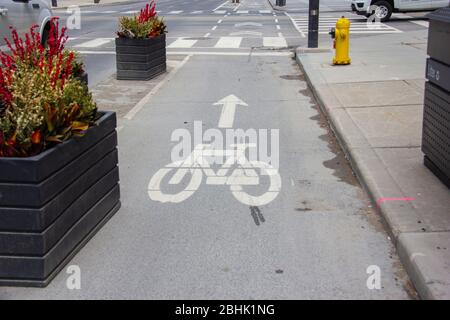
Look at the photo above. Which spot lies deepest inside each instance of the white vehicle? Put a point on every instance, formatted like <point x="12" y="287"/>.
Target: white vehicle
<point x="22" y="14"/>
<point x="383" y="9"/>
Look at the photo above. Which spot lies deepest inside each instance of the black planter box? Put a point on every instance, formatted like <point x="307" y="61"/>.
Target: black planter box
<point x="53" y="203"/>
<point x="140" y="59"/>
<point x="436" y="131"/>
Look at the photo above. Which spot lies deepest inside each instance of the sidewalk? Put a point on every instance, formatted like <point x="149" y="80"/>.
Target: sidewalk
<point x="375" y="107"/>
<point x="84" y="3"/>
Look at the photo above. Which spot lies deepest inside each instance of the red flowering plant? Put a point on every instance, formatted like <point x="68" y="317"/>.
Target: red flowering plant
<point x="42" y="102"/>
<point x="145" y="25"/>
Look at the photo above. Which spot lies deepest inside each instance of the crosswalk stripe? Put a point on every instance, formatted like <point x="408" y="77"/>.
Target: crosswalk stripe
<point x="422" y="23"/>
<point x="220" y="11"/>
<point x="357" y="25"/>
<point x="228" y="42"/>
<point x="277" y="42"/>
<point x="94" y="43"/>
<point x="182" y="43"/>
<point x="265" y="11"/>
<point x="241" y="11"/>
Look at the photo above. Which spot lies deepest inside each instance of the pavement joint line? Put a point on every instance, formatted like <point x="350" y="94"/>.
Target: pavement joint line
<point x="138" y="106"/>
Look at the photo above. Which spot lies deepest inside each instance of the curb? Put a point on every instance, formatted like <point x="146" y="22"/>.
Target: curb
<point x="276" y="8"/>
<point x="338" y="119"/>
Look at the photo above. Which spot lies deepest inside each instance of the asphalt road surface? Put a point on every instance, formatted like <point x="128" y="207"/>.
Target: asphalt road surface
<point x="295" y="224"/>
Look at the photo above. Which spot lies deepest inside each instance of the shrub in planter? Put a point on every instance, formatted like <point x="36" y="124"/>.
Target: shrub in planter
<point x="141" y="45"/>
<point x="58" y="160"/>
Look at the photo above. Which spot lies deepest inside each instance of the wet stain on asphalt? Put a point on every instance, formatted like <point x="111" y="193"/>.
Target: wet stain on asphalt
<point x="257" y="215"/>
<point x="339" y="164"/>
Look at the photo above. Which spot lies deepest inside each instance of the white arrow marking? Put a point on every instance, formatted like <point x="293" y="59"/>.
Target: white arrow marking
<point x="228" y="110"/>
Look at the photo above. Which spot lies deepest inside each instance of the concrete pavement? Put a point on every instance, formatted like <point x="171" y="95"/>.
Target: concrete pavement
<point x="375" y="107"/>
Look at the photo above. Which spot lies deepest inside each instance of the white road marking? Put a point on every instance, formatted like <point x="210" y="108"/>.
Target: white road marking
<point x="276" y="42"/>
<point x="358" y="25"/>
<point x="229" y="104"/>
<point x="278" y="27"/>
<point x="176" y="12"/>
<point x="265" y="11"/>
<point x="207" y="35"/>
<point x="248" y="24"/>
<point x="108" y="11"/>
<point x="214" y="28"/>
<point x="228" y="42"/>
<point x="422" y="23"/>
<point x="204" y="53"/>
<point x="94" y="43"/>
<point x="225" y="53"/>
<point x="220" y="12"/>
<point x="131" y="12"/>
<point x="219" y="22"/>
<point x="221" y="5"/>
<point x="130" y="114"/>
<point x="182" y="43"/>
<point x="237" y="7"/>
<point x="280" y="34"/>
<point x="197" y="12"/>
<point x="242" y="11"/>
<point x="295" y="25"/>
<point x="246" y="33"/>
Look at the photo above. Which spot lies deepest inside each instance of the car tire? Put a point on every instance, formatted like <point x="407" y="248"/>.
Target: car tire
<point x="385" y="10"/>
<point x="45" y="33"/>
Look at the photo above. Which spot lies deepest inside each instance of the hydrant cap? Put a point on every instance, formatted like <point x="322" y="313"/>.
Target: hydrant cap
<point x="343" y="23"/>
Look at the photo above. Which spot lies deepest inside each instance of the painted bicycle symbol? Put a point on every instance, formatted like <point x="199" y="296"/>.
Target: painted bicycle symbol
<point x="236" y="172"/>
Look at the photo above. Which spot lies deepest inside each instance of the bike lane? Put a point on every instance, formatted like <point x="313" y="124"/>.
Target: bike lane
<point x="316" y="239"/>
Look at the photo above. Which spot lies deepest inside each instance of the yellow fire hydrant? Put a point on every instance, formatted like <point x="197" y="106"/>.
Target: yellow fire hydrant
<point x="341" y="36"/>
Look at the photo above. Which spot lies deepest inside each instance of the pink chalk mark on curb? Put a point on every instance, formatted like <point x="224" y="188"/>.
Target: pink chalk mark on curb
<point x="382" y="200"/>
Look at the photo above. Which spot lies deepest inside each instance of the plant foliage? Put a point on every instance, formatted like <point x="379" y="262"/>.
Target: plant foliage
<point x="42" y="103"/>
<point x="145" y="25"/>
